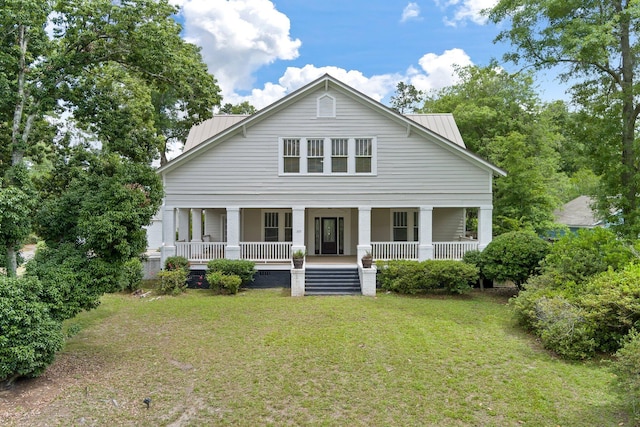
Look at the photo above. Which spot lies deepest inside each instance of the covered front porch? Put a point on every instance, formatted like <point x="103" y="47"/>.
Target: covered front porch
<point x="269" y="236"/>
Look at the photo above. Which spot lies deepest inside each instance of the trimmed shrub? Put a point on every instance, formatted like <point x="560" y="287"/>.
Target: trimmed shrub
<point x="412" y="277"/>
<point x="401" y="276"/>
<point x="29" y="336"/>
<point x="453" y="276"/>
<point x="175" y="263"/>
<point x="626" y="367"/>
<point x="242" y="268"/>
<point x="131" y="277"/>
<point x="172" y="282"/>
<point x="514" y="256"/>
<point x="224" y="283"/>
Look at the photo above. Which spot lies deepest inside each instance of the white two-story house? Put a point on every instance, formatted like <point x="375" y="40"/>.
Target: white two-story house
<point x="329" y="171"/>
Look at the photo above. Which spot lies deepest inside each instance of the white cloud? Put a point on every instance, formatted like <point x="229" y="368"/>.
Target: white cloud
<point x="411" y="11"/>
<point x="436" y="71"/>
<point x="466" y="10"/>
<point x="237" y="37"/>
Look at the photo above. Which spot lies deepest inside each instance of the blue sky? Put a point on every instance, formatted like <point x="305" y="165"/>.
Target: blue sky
<point x="260" y="50"/>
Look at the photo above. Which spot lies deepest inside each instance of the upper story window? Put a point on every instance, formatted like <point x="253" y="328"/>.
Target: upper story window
<point x="291" y="155"/>
<point x="363" y="155"/>
<point x="339" y="155"/>
<point x="315" y="155"/>
<point x="328" y="156"/>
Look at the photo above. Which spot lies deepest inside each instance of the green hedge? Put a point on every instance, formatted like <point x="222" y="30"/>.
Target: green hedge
<point x="242" y="268"/>
<point x="412" y="277"/>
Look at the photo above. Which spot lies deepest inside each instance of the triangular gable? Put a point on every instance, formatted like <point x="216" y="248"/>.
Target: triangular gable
<point x="243" y="123"/>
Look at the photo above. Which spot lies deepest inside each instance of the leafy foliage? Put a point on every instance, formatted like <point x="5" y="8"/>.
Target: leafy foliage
<point x="72" y="281"/>
<point x="176" y="263"/>
<point x="575" y="257"/>
<point x="242" y="268"/>
<point x="131" y="275"/>
<point x="29" y="336"/>
<point x="172" y="282"/>
<point x="627" y="369"/>
<point x="513" y="256"/>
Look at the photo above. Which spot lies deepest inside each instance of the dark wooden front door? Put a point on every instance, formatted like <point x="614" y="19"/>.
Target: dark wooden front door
<point x="330" y="236"/>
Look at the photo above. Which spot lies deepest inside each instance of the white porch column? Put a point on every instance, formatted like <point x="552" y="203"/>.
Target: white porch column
<point x="425" y="231"/>
<point x="364" y="230"/>
<point x="168" y="234"/>
<point x="233" y="233"/>
<point x="196" y="225"/>
<point x="183" y="225"/>
<point x="485" y="226"/>
<point x="298" y="241"/>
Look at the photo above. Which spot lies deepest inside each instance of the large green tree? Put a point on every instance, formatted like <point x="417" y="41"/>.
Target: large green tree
<point x="596" y="45"/>
<point x="501" y="118"/>
<point x="119" y="72"/>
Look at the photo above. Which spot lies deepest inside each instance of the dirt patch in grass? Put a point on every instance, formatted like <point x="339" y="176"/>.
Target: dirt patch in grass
<point x="27" y="397"/>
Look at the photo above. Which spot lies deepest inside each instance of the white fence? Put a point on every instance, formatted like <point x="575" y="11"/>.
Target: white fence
<point x="384" y="251"/>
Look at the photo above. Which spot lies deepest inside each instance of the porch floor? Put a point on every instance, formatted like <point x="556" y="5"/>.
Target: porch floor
<point x="331" y="261"/>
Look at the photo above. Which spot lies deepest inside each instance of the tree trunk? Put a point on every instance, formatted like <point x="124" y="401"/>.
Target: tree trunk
<point x="629" y="114"/>
<point x="11" y="261"/>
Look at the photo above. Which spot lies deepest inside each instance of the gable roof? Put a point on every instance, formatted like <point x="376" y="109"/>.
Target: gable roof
<point x="201" y="136"/>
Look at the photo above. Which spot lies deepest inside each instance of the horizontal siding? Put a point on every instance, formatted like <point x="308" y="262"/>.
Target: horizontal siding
<point x="248" y="166"/>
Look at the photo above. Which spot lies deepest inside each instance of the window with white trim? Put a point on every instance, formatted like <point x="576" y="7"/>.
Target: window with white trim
<point x="288" y="226"/>
<point x="277" y="226"/>
<point x="363" y="155"/>
<point x="339" y="155"/>
<point x="400" y="225"/>
<point x="271" y="226"/>
<point x="291" y="155"/>
<point x="405" y="226"/>
<point x="315" y="155"/>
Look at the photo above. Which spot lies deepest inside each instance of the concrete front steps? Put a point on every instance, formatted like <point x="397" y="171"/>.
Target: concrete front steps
<point x="332" y="281"/>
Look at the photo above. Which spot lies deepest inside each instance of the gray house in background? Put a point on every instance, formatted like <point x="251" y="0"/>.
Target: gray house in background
<point x="578" y="214"/>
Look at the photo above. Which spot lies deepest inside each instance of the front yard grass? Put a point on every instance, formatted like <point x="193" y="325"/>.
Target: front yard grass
<point x="263" y="358"/>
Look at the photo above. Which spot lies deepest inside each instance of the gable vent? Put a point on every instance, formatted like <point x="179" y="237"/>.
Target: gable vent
<point x="326" y="106"/>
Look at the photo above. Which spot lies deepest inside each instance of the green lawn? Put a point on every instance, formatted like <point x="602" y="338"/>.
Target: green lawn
<point x="263" y="358"/>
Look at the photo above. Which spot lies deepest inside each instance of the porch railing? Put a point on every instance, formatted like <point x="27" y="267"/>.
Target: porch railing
<point x="265" y="251"/>
<point x="452" y="250"/>
<point x="201" y="251"/>
<point x="384" y="251"/>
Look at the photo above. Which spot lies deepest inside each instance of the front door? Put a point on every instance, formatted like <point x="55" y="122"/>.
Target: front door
<point x="330" y="236"/>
